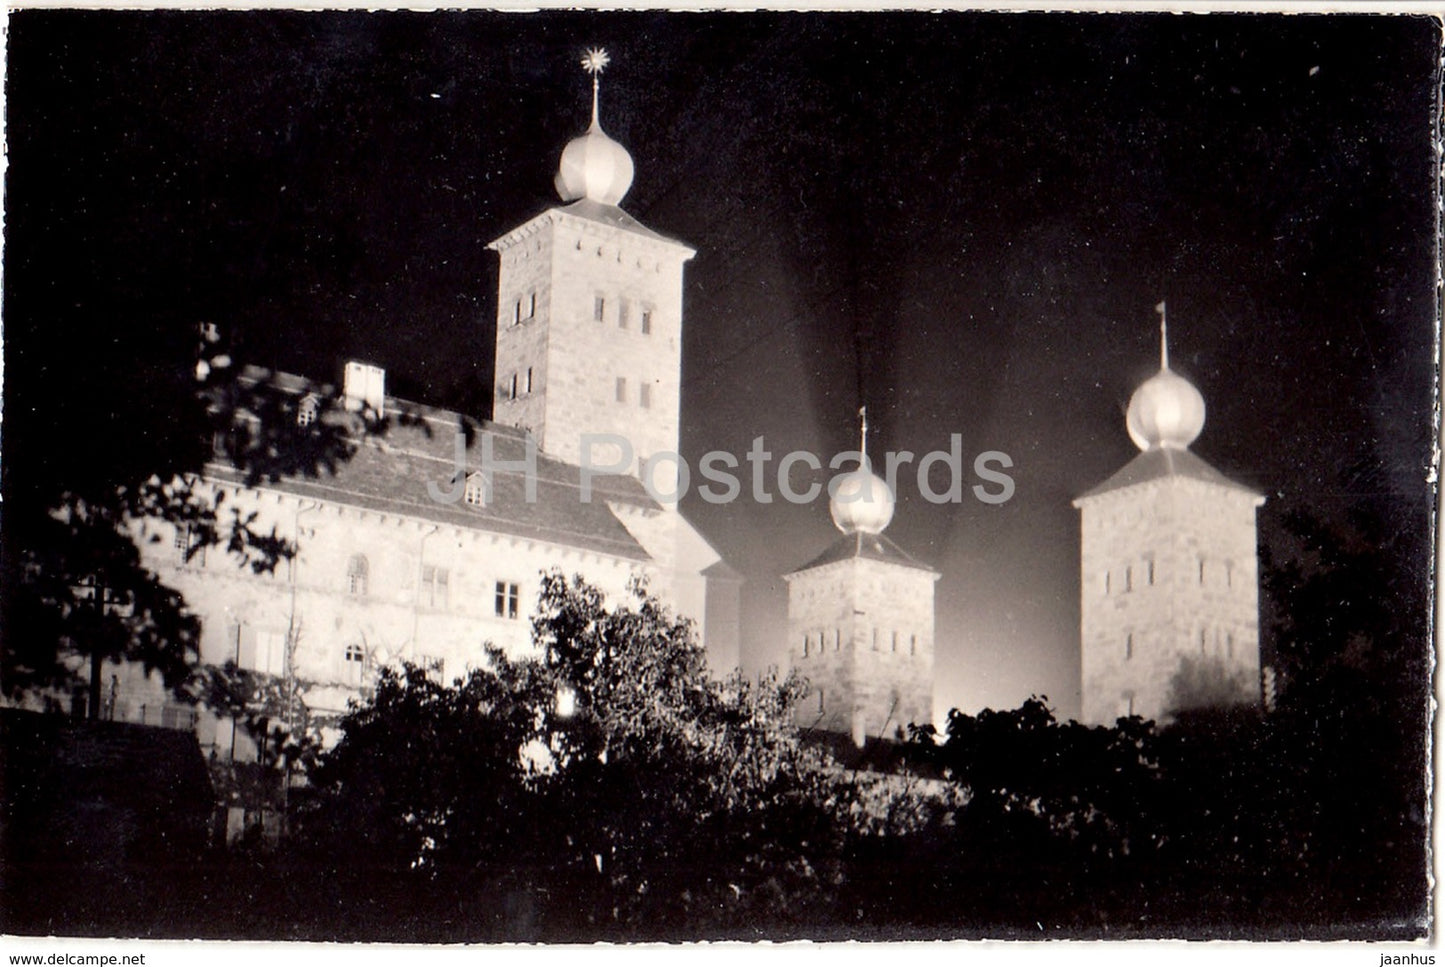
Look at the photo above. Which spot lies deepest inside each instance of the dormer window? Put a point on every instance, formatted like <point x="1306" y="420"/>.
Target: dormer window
<point x="307" y="409"/>
<point x="475" y="492"/>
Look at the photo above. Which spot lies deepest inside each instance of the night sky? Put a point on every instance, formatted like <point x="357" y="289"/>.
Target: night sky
<point x="962" y="220"/>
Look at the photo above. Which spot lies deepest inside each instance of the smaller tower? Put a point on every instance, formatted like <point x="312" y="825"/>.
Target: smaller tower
<point x="1169" y="594"/>
<point x="860" y="619"/>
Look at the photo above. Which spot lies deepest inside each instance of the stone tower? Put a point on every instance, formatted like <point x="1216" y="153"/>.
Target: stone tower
<point x="860" y="621"/>
<point x="1169" y="570"/>
<point x="589" y="317"/>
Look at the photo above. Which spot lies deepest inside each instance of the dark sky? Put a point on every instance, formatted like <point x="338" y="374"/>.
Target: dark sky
<point x="963" y="220"/>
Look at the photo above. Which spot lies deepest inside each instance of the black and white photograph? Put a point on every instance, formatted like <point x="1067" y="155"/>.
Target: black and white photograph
<point x="639" y="476"/>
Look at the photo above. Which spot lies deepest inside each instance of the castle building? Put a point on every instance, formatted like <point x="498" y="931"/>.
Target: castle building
<point x="427" y="544"/>
<point x="1169" y="570"/>
<point x="860" y="621"/>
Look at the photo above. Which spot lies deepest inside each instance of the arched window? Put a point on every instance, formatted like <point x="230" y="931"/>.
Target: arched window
<point x="357" y="572"/>
<point x="354" y="664"/>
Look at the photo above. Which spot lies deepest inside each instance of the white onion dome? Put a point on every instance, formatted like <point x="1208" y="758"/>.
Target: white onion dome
<point x="862" y="503"/>
<point x="1166" y="411"/>
<point x="594" y="166"/>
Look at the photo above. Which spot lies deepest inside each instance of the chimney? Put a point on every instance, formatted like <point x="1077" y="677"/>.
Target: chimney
<point x="364" y="387"/>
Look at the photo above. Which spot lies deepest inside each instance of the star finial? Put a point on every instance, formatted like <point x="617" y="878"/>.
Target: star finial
<point x="595" y="60"/>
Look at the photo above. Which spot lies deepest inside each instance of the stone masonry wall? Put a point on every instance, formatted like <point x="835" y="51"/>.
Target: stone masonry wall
<point x="583" y="358"/>
<point x="1170" y="599"/>
<point x="861" y="631"/>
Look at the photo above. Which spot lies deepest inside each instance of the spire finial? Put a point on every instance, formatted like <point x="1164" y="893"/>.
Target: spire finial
<point x="594" y="62"/>
<point x="863" y="435"/>
<point x="1163" y="335"/>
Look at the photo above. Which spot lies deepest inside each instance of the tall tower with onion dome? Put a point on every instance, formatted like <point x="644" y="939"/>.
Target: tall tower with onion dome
<point x="589" y="316"/>
<point x="860" y="619"/>
<point x="589" y="361"/>
<point x="1169" y="571"/>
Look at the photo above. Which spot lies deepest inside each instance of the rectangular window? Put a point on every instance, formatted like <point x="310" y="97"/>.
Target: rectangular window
<point x="261" y="651"/>
<point x="506" y="599"/>
<point x="1108" y="582"/>
<point x="622" y="389"/>
<point x="913" y="644"/>
<point x="895" y="642"/>
<point x="190" y="545"/>
<point x="1129" y="578"/>
<point x="529" y="379"/>
<point x="622" y="313"/>
<point x="514" y="386"/>
<point x="434" y="586"/>
<point x="807" y="643"/>
<point x="646" y="322"/>
<point x="1151" y="573"/>
<point x="644" y="395"/>
<point x="1129" y="645"/>
<point x="531" y="304"/>
<point x="517" y="312"/>
<point x="599" y="308"/>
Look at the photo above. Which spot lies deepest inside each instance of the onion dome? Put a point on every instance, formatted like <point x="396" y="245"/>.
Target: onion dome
<point x="1166" y="411"/>
<point x="594" y="166"/>
<point x="862" y="503"/>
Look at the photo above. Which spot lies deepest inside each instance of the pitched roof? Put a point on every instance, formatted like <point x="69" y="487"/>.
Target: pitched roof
<point x="391" y="470"/>
<point x="1162" y="463"/>
<point x="594" y="211"/>
<point x="615" y="217"/>
<point x="153" y="770"/>
<point x="871" y="547"/>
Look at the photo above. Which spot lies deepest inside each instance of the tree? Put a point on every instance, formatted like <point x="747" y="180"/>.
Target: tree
<point x="74" y="590"/>
<point x="606" y="787"/>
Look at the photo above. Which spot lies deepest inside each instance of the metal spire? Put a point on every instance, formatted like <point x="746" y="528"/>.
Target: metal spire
<point x="863" y="435"/>
<point x="594" y="62"/>
<point x="1163" y="335"/>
